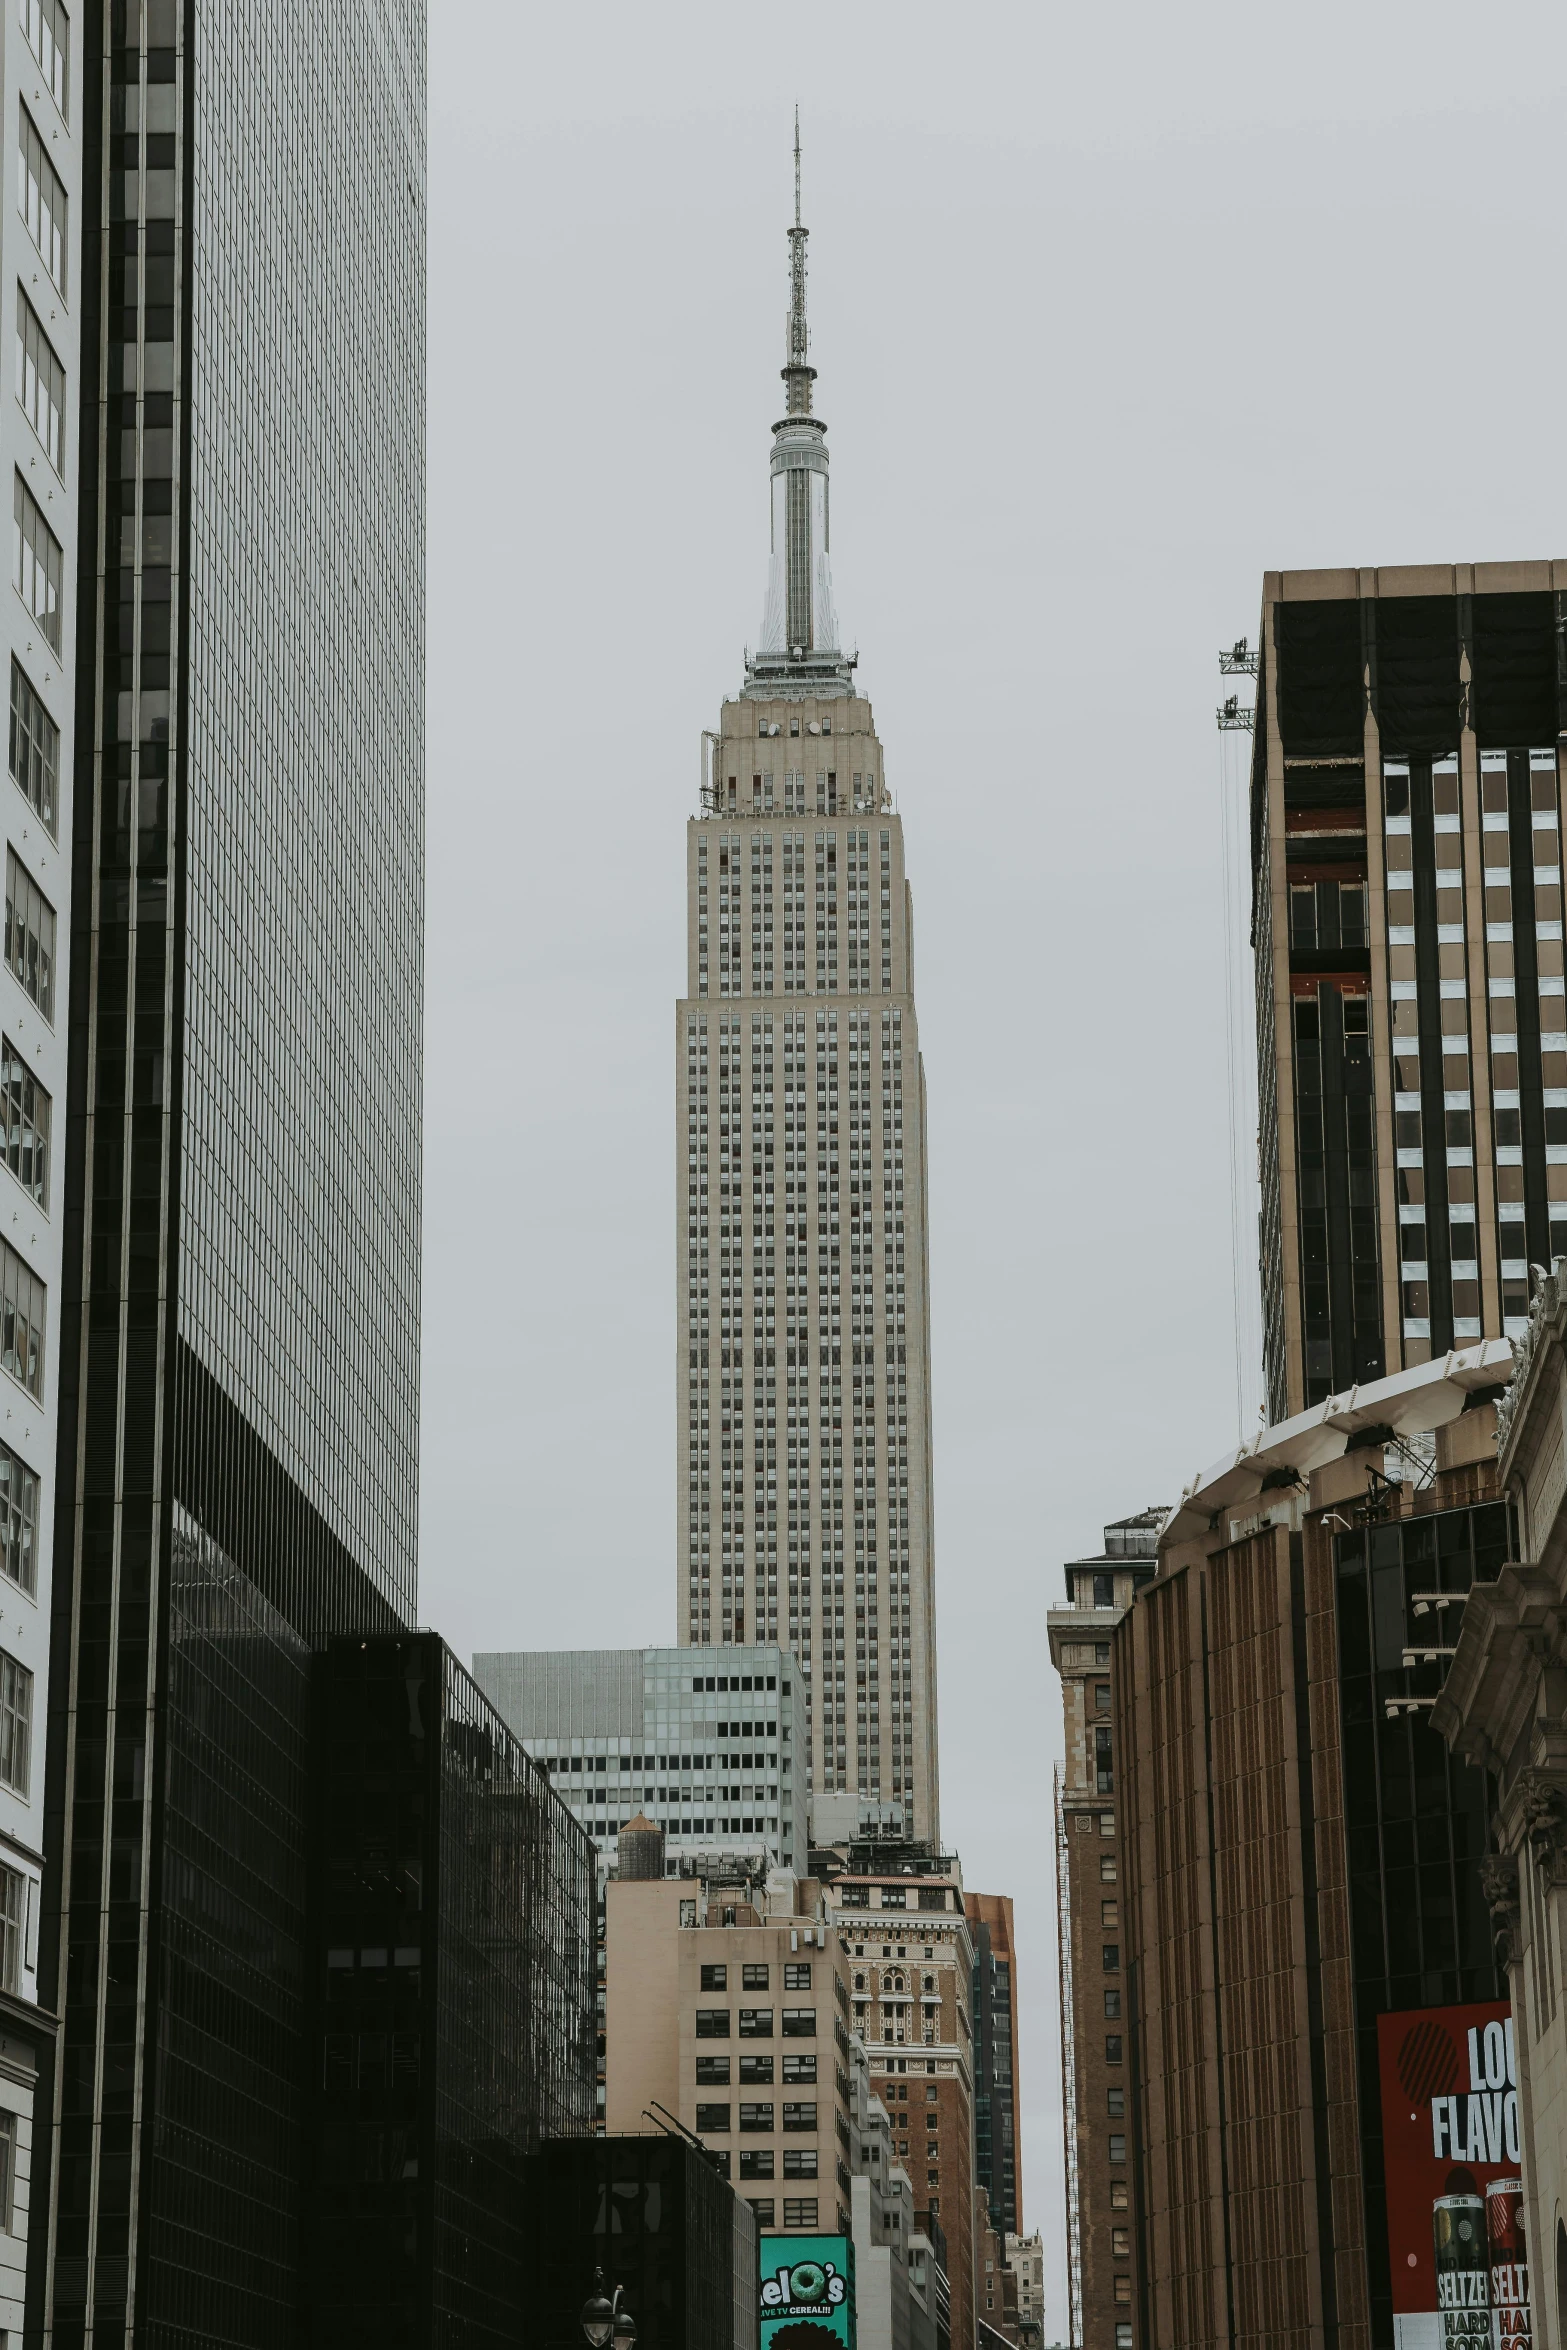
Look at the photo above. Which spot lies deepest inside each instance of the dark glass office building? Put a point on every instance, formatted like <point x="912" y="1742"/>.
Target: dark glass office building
<point x="453" y="1995"/>
<point x="997" y="2150"/>
<point x="653" y="2214"/>
<point x="240" y="1299"/>
<point x="1416" y="1818"/>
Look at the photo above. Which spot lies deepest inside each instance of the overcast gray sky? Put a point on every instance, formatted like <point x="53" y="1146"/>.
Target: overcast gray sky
<point x="1113" y="307"/>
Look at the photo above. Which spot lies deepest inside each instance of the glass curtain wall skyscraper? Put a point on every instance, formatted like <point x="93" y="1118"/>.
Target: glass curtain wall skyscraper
<point x="239" y="1318"/>
<point x="804" y="1438"/>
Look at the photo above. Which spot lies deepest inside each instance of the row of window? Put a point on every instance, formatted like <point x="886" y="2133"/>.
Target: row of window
<point x="758" y="2116"/>
<point x="760" y="2162"/>
<point x="712" y="2072"/>
<point x="798" y="2211"/>
<point x="755" y="1976"/>
<point x="756" y="2023"/>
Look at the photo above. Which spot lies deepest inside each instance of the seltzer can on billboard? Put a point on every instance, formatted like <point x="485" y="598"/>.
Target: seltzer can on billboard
<point x="1463" y="2272"/>
<point x="1511" y="2321"/>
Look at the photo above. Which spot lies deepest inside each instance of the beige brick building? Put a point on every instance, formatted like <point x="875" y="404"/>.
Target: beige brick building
<point x="727" y="2005"/>
<point x="803" y="1446"/>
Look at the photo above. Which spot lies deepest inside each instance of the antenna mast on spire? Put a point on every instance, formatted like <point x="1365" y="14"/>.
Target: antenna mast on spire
<point x="798" y="372"/>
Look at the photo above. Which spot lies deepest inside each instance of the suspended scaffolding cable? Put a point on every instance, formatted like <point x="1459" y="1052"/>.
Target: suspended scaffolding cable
<point x="1240" y="1063"/>
<point x="1074" y="2208"/>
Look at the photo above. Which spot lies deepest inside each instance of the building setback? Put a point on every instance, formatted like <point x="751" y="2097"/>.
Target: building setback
<point x="1407" y="921"/>
<point x="1101" y="2274"/>
<point x="1298" y="1853"/>
<point x="239" y="1311"/>
<point x="803" y="1445"/>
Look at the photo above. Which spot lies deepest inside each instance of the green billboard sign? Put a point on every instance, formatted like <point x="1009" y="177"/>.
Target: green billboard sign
<point x="807" y="2291"/>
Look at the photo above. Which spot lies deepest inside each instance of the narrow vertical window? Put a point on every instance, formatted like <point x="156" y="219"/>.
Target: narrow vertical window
<point x="40" y="199"/>
<point x="40" y="383"/>
<point x="16" y="1725"/>
<point x="36" y="563"/>
<point x="35" y="748"/>
<point x="26" y="1112"/>
<point x="18" y="1520"/>
<point x="29" y="935"/>
<point x="47" y="29"/>
<point x="21" y="1321"/>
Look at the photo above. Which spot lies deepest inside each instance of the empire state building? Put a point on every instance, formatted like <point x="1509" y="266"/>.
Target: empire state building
<point x="805" y="1472"/>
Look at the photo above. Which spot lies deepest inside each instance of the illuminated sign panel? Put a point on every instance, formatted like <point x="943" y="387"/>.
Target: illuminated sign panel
<point x="1455" y="2221"/>
<point x="807" y="2291"/>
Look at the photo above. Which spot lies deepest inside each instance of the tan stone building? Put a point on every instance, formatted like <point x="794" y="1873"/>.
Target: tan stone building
<point x="1101" y="2280"/>
<point x="1407" y="919"/>
<point x="1298" y="1850"/>
<point x="995" y="2286"/>
<point x="804" y="1440"/>
<point x="910" y="1961"/>
<point x="728" y="2008"/>
<point x="1504" y="1707"/>
<point x="1026" y="2260"/>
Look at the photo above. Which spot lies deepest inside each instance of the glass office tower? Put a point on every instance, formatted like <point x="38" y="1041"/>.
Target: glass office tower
<point x="239" y="1311"/>
<point x="1406" y="829"/>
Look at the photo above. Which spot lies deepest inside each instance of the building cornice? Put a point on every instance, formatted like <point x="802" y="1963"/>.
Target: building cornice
<point x="1512" y="1627"/>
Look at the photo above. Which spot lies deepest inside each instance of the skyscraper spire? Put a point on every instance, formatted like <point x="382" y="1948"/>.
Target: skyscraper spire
<point x="799" y="644"/>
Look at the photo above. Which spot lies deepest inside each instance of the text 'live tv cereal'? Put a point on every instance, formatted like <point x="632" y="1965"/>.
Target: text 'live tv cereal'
<point x="1455" y="2215"/>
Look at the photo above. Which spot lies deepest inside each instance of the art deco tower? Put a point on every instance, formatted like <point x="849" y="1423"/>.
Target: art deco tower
<point x="805" y="1478"/>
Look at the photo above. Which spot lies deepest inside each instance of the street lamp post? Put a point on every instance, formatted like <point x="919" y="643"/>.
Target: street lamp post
<point x="607" y="2322"/>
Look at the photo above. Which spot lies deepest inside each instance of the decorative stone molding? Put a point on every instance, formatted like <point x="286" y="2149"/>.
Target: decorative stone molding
<point x="1542" y="1815"/>
<point x="1499" y="1884"/>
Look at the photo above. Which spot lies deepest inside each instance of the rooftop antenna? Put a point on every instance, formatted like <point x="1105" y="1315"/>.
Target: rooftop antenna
<point x="799" y="372"/>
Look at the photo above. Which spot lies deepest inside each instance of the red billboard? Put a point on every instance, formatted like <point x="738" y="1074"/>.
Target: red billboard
<point x="1455" y="2220"/>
